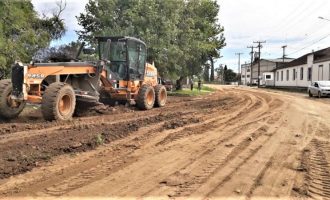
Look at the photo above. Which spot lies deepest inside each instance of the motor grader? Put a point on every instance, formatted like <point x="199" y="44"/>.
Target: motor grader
<point x="121" y="74"/>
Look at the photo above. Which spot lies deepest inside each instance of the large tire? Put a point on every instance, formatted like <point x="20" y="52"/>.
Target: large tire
<point x="146" y="98"/>
<point x="58" y="102"/>
<point x="9" y="109"/>
<point x="161" y="96"/>
<point x="310" y="94"/>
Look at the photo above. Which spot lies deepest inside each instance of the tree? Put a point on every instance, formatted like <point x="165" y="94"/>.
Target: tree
<point x="22" y="32"/>
<point x="230" y="76"/>
<point x="63" y="53"/>
<point x="181" y="35"/>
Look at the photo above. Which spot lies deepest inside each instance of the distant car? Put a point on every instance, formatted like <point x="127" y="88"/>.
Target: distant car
<point x="319" y="88"/>
<point x="167" y="83"/>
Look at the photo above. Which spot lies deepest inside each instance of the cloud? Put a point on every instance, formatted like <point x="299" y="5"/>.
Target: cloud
<point x="279" y="22"/>
<point x="73" y="9"/>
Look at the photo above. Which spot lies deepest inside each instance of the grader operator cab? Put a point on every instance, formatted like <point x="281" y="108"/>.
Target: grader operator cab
<point x="121" y="75"/>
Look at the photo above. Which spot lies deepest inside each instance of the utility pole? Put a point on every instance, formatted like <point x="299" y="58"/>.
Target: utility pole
<point x="283" y="47"/>
<point x="239" y="66"/>
<point x="252" y="52"/>
<point x="259" y="52"/>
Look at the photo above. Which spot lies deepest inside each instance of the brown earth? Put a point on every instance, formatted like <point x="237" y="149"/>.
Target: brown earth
<point x="238" y="143"/>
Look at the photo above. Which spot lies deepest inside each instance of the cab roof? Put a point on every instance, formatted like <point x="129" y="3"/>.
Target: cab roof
<point x="117" y="38"/>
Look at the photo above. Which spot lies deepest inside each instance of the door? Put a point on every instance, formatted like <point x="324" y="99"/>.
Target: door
<point x="320" y="77"/>
<point x="315" y="88"/>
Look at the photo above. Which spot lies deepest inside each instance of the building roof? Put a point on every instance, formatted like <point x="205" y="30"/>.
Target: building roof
<point x="280" y="60"/>
<point x="276" y="60"/>
<point x="319" y="56"/>
<point x="322" y="55"/>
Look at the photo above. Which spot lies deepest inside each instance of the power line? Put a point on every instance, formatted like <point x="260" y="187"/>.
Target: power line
<point x="319" y="40"/>
<point x="299" y="19"/>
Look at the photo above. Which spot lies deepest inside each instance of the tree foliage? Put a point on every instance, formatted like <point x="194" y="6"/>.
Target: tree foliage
<point x="227" y="74"/>
<point x="181" y="35"/>
<point x="22" y="32"/>
<point x="62" y="53"/>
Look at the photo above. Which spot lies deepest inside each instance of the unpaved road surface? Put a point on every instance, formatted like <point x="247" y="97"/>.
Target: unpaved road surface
<point x="238" y="143"/>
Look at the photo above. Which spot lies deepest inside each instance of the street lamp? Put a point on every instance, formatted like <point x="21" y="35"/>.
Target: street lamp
<point x="324" y="18"/>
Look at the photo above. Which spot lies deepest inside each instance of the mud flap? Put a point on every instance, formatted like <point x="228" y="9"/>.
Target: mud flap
<point x="17" y="77"/>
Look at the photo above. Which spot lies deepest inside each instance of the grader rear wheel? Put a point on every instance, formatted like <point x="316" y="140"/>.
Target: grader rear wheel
<point x="161" y="95"/>
<point x="146" y="98"/>
<point x="58" y="102"/>
<point x="9" y="108"/>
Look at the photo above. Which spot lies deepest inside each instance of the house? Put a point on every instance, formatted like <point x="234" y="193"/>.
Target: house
<point x="246" y="74"/>
<point x="267" y="67"/>
<point x="302" y="71"/>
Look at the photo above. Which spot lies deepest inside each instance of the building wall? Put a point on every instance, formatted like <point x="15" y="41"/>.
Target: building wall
<point x="265" y="66"/>
<point x="245" y="74"/>
<point x="317" y="74"/>
<point x="267" y="79"/>
<point x="322" y="73"/>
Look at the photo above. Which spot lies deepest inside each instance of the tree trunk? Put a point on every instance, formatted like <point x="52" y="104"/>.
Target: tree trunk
<point x="179" y="83"/>
<point x="212" y="69"/>
<point x="206" y="73"/>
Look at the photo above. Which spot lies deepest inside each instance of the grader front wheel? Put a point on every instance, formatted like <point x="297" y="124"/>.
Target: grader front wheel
<point x="58" y="102"/>
<point x="9" y="108"/>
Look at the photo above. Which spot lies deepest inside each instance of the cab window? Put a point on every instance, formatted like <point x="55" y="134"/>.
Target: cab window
<point x="136" y="56"/>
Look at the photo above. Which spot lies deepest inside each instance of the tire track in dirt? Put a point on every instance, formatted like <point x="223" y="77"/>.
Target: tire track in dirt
<point x="217" y="123"/>
<point x="213" y="160"/>
<point x="28" y="130"/>
<point x="113" y="165"/>
<point x="316" y="162"/>
<point x="258" y="179"/>
<point x="188" y="186"/>
<point x="90" y="173"/>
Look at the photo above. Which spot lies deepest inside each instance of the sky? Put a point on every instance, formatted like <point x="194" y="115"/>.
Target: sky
<point x="294" y="23"/>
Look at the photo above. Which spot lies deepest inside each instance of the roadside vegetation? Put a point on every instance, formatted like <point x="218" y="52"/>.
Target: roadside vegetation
<point x="195" y="92"/>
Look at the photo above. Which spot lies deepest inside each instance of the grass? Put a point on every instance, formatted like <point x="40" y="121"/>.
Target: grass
<point x="195" y="92"/>
<point x="99" y="139"/>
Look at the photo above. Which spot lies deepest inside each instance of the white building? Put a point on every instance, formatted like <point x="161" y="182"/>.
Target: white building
<point x="302" y="71"/>
<point x="246" y="74"/>
<point x="267" y="67"/>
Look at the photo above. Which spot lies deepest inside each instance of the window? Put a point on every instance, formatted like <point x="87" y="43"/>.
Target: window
<point x="301" y="73"/>
<point x="247" y="76"/>
<point x="294" y="74"/>
<point x="287" y="75"/>
<point x="243" y="76"/>
<point x="277" y="76"/>
<point x="281" y="75"/>
<point x="309" y="75"/>
<point x="268" y="77"/>
<point x="248" y="70"/>
<point x="137" y="58"/>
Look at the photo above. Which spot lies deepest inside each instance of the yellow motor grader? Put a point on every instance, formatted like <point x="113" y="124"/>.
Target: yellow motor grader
<point x="120" y="75"/>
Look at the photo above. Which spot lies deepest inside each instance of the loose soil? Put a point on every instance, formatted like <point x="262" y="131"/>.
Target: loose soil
<point x="234" y="143"/>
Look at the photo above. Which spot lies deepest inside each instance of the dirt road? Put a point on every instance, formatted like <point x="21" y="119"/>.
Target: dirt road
<point x="238" y="143"/>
